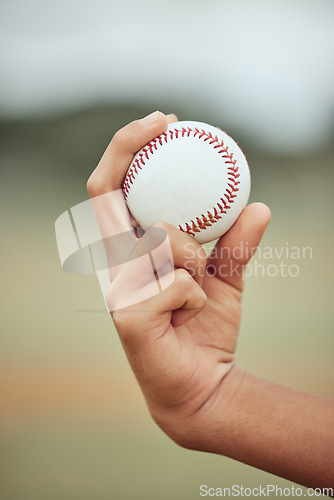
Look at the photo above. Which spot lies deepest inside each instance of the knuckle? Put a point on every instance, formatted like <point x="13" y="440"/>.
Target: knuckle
<point x="161" y="225"/>
<point x="93" y="185"/>
<point x="120" y="139"/>
<point x="202" y="298"/>
<point x="183" y="278"/>
<point x="198" y="295"/>
<point x="188" y="286"/>
<point x="90" y="184"/>
<point x="124" y="323"/>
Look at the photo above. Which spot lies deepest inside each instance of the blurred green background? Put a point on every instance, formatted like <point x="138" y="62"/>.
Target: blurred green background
<point x="73" y="422"/>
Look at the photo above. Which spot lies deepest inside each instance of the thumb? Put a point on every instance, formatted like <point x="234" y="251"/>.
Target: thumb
<point x="236" y="247"/>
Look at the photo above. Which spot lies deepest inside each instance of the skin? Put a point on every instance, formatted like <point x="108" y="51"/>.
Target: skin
<point x="181" y="344"/>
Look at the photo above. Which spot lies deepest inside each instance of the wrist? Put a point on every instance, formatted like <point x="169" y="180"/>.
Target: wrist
<point x="199" y="429"/>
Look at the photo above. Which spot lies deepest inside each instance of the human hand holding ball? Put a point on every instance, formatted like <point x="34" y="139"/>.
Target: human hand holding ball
<point x="181" y="341"/>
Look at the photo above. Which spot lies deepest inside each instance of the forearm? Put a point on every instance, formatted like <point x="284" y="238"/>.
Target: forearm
<point x="274" y="428"/>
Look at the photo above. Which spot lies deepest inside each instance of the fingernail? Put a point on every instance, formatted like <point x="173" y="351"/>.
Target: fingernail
<point x="150" y="119"/>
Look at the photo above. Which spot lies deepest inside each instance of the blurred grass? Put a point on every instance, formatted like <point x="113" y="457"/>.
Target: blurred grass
<point x="73" y="422"/>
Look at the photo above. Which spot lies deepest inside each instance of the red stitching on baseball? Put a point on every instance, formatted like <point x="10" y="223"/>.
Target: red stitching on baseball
<point x="216" y="213"/>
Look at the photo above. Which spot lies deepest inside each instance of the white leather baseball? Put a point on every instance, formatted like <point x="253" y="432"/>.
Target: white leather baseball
<point x="193" y="176"/>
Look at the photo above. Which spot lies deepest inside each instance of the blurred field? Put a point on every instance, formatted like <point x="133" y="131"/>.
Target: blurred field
<point x="73" y="423"/>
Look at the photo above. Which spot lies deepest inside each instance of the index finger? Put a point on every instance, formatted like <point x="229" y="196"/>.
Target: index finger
<point x="110" y="172"/>
<point x="104" y="185"/>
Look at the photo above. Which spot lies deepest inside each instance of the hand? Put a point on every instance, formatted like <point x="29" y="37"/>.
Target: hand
<point x="181" y="342"/>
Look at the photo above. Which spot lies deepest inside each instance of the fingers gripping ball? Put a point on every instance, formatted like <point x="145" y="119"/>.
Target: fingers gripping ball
<point x="193" y="176"/>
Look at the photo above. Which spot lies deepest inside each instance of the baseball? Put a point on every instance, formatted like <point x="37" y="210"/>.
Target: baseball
<point x="193" y="176"/>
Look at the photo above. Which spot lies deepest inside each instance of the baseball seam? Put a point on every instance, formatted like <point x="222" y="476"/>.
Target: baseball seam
<point x="205" y="220"/>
